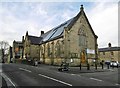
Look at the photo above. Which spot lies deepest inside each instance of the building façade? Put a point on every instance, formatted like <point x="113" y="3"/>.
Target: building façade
<point x="17" y="50"/>
<point x="109" y="53"/>
<point x="73" y="41"/>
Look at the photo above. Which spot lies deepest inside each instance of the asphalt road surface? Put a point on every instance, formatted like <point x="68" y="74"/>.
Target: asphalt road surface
<point x="26" y="75"/>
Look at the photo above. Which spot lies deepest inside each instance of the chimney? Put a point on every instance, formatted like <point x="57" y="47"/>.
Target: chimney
<point x="81" y="8"/>
<point x="109" y="44"/>
<point x="42" y="32"/>
<point x="22" y="38"/>
<point x="27" y="33"/>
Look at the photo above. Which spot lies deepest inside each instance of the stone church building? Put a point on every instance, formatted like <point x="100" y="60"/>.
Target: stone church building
<point x="73" y="41"/>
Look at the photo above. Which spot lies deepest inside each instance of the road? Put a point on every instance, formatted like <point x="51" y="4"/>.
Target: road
<point x="26" y="75"/>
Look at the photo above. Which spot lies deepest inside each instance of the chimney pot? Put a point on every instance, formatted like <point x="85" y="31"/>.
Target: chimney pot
<point x="22" y="38"/>
<point x="27" y="33"/>
<point x="42" y="32"/>
<point x="109" y="44"/>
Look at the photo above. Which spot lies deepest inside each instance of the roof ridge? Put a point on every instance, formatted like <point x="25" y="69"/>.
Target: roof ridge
<point x="65" y="22"/>
<point x="52" y="33"/>
<point x="33" y="36"/>
<point x="109" y="47"/>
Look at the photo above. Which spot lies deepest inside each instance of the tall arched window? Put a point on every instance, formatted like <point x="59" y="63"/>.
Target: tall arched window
<point x="57" y="49"/>
<point x="41" y="50"/>
<point x="82" y="37"/>
<point x="48" y="51"/>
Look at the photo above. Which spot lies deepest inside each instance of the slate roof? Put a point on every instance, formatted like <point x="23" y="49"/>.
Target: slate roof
<point x="109" y="49"/>
<point x="17" y="41"/>
<point x="57" y="32"/>
<point x="54" y="33"/>
<point x="20" y="43"/>
<point x="34" y="40"/>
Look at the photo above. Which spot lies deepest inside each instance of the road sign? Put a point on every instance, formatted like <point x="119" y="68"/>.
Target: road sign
<point x="90" y="51"/>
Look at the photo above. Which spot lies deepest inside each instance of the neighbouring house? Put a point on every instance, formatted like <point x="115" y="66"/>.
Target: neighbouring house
<point x="109" y="53"/>
<point x="31" y="47"/>
<point x="17" y="50"/>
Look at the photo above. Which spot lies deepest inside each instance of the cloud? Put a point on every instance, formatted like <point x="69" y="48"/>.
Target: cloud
<point x="12" y="27"/>
<point x="104" y="20"/>
<point x="17" y="18"/>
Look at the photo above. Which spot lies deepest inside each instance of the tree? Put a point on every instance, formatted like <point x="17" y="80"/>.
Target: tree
<point x="4" y="46"/>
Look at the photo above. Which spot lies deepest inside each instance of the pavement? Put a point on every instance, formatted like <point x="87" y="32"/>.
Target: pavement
<point x="76" y="70"/>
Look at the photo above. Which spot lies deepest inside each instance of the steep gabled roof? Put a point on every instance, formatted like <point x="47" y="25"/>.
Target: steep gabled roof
<point x="58" y="31"/>
<point x="109" y="49"/>
<point x="77" y="17"/>
<point x="55" y="32"/>
<point x="34" y="40"/>
<point x="19" y="43"/>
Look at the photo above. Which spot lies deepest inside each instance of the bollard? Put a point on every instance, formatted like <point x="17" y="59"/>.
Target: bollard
<point x="88" y="67"/>
<point x="80" y="66"/>
<point x="108" y="66"/>
<point x="102" y="66"/>
<point x="95" y="66"/>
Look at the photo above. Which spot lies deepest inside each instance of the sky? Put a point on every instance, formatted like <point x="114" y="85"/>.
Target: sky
<point x="17" y="17"/>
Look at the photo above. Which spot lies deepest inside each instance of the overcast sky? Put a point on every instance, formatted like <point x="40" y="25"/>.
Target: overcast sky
<point x="18" y="17"/>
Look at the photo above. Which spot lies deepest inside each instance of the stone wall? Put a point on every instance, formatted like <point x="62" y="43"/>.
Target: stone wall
<point x="109" y="55"/>
<point x="70" y="45"/>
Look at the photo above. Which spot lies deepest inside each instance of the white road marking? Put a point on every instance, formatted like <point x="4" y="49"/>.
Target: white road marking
<point x="55" y="80"/>
<point x="3" y="75"/>
<point x="24" y="69"/>
<point x="105" y="68"/>
<point x="72" y="74"/>
<point x="111" y="69"/>
<point x="96" y="79"/>
<point x="117" y="84"/>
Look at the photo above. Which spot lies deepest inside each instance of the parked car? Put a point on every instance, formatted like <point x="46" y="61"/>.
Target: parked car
<point x="107" y="62"/>
<point x="114" y="64"/>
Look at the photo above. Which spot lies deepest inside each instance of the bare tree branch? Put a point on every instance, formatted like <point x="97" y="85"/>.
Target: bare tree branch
<point x="4" y="45"/>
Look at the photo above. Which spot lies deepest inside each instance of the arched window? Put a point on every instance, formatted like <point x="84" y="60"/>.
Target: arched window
<point x="82" y="37"/>
<point x="48" y="49"/>
<point x="52" y="49"/>
<point x="57" y="49"/>
<point x="41" y="51"/>
<point x="62" y="47"/>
